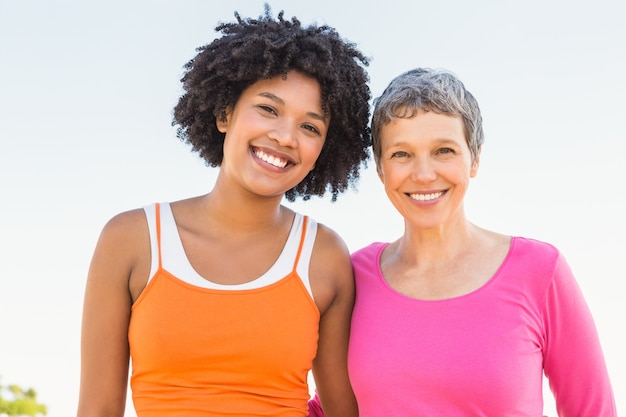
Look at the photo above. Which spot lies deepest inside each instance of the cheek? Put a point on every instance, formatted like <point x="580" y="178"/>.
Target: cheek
<point x="313" y="149"/>
<point x="394" y="173"/>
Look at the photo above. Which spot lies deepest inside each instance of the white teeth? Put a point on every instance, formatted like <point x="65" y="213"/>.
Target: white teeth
<point x="426" y="197"/>
<point x="277" y="162"/>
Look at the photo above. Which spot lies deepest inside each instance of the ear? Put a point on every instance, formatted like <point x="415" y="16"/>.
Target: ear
<point x="475" y="165"/>
<point x="223" y="119"/>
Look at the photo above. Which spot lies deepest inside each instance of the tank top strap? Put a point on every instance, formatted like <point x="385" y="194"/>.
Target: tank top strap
<point x="305" y="222"/>
<point x="158" y="232"/>
<point x="168" y="253"/>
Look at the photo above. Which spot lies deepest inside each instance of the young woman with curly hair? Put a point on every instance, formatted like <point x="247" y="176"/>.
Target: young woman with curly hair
<point x="225" y="301"/>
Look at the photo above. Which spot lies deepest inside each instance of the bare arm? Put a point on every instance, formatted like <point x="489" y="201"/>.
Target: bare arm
<point x="332" y="282"/>
<point x="122" y="246"/>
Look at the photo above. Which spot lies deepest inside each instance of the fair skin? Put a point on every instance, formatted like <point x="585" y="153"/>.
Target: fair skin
<point x="426" y="167"/>
<point x="274" y="134"/>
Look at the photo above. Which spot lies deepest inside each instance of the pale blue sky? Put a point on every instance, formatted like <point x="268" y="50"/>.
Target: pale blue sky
<point x="86" y="92"/>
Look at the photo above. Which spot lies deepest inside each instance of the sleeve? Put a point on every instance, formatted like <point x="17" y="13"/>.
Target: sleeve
<point x="573" y="360"/>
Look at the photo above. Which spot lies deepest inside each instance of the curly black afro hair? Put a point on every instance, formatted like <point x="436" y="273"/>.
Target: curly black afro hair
<point x="253" y="49"/>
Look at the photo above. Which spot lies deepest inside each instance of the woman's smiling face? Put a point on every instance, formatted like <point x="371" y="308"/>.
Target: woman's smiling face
<point x="425" y="166"/>
<point x="274" y="134"/>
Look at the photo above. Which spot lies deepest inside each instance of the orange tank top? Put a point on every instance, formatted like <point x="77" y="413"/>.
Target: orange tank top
<point x="212" y="352"/>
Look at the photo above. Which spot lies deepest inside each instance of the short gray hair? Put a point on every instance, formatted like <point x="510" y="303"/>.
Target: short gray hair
<point x="426" y="89"/>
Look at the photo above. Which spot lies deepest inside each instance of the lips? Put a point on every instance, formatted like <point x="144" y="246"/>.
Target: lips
<point x="271" y="158"/>
<point x="426" y="196"/>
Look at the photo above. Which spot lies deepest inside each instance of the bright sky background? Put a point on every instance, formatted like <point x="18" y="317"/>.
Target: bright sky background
<point x="87" y="89"/>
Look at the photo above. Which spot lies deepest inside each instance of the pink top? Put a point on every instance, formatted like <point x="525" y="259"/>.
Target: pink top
<point x="481" y="354"/>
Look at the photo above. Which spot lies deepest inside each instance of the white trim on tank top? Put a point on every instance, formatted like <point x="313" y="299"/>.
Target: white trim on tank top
<point x="175" y="261"/>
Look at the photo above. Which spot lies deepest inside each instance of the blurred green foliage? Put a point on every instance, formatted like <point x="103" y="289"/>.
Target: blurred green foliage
<point x="18" y="402"/>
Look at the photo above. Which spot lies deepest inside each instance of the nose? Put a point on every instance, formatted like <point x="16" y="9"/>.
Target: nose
<point x="423" y="171"/>
<point x="285" y="133"/>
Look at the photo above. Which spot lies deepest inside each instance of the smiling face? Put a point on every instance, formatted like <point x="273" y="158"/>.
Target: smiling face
<point x="425" y="166"/>
<point x="274" y="134"/>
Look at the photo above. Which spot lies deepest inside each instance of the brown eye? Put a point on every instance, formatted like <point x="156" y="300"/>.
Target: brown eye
<point x="268" y="109"/>
<point x="311" y="128"/>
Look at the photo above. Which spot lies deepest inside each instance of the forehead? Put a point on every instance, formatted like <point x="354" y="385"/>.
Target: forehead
<point x="292" y="81"/>
<point x="292" y="89"/>
<point x="423" y="126"/>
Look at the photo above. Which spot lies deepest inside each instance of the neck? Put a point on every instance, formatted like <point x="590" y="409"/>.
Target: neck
<point x="437" y="245"/>
<point x="236" y="209"/>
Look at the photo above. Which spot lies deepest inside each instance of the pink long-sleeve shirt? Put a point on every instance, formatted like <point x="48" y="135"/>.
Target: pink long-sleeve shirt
<point x="480" y="354"/>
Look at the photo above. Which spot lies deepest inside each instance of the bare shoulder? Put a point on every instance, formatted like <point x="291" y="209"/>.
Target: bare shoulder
<point x="124" y="232"/>
<point x="123" y="251"/>
<point x="330" y="250"/>
<point x="330" y="270"/>
<point x="126" y="222"/>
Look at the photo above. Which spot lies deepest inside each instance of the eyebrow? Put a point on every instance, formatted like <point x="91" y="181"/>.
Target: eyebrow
<point x="280" y="101"/>
<point x="402" y="143"/>
<point x="442" y="140"/>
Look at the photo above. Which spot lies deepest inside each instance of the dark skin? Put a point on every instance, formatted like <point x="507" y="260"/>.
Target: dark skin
<point x="211" y="86"/>
<point x="239" y="222"/>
